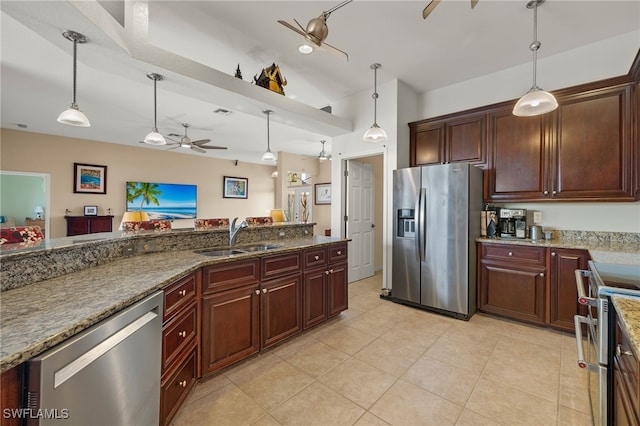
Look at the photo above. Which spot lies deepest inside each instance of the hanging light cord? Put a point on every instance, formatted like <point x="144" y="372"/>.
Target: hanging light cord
<point x="155" y="106"/>
<point x="375" y="94"/>
<point x="268" y="143"/>
<point x="73" y="93"/>
<point x="535" y="44"/>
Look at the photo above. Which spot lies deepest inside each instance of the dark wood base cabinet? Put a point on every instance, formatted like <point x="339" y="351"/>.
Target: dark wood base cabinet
<point x="626" y="382"/>
<point x="530" y="284"/>
<point x="10" y="391"/>
<point x="79" y="225"/>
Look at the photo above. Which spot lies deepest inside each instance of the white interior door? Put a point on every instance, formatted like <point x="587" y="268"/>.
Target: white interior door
<point x="360" y="197"/>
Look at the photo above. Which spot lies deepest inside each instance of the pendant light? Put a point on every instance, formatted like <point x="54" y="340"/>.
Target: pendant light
<point x="154" y="137"/>
<point x="73" y="116"/>
<point x="536" y="101"/>
<point x="268" y="155"/>
<point x="375" y="133"/>
<point x="323" y="155"/>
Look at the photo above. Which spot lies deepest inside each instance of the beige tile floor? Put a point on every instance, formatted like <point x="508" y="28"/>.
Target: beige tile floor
<point x="381" y="363"/>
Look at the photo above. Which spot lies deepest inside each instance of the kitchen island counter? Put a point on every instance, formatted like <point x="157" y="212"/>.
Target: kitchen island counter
<point x="40" y="315"/>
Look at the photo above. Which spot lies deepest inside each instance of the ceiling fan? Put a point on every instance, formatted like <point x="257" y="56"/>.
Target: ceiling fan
<point x="186" y="142"/>
<point x="316" y="31"/>
<point x="433" y="3"/>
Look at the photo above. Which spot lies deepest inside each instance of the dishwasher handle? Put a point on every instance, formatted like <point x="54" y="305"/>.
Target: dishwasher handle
<point x="583" y="298"/>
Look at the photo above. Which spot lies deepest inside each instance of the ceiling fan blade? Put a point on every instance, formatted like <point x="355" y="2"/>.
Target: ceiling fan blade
<point x="474" y="3"/>
<point x="211" y="147"/>
<point x="335" y="49"/>
<point x="200" y="142"/>
<point x="198" y="149"/>
<point x="427" y="10"/>
<point x="291" y="27"/>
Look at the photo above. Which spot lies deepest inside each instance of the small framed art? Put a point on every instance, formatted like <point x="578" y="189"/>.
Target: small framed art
<point x="89" y="178"/>
<point x="235" y="187"/>
<point x="91" y="210"/>
<point x="323" y="193"/>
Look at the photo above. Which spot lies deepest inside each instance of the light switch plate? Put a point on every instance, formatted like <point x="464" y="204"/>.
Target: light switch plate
<point x="537" y="217"/>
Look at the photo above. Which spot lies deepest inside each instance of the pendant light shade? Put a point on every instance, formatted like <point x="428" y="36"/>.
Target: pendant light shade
<point x="73" y="116"/>
<point x="536" y="101"/>
<point x="375" y="134"/>
<point x="268" y="155"/>
<point x="323" y="156"/>
<point x="154" y="137"/>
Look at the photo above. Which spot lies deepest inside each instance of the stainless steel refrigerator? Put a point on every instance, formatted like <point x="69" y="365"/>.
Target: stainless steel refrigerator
<point x="436" y="221"/>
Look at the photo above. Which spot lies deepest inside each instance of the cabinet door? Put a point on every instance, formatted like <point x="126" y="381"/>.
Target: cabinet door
<point x="427" y="144"/>
<point x="281" y="309"/>
<point x="230" y="326"/>
<point x="11" y="385"/>
<point x="593" y="146"/>
<point x="563" y="296"/>
<point x="626" y="381"/>
<point x="466" y="139"/>
<point x="77" y="226"/>
<point x="176" y="387"/>
<point x="101" y="224"/>
<point x="315" y="295"/>
<point x="513" y="291"/>
<point x="519" y="157"/>
<point x="338" y="288"/>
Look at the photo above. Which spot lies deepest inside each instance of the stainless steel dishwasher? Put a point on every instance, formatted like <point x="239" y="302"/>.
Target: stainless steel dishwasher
<point x="108" y="374"/>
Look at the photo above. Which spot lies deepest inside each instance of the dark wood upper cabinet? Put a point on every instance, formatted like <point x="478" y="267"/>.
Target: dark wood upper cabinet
<point x="449" y="139"/>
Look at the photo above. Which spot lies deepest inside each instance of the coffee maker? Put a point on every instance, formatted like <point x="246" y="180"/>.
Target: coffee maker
<point x="512" y="223"/>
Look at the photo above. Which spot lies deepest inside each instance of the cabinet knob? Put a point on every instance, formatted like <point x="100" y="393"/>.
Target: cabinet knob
<point x="554" y="192"/>
<point x="182" y="292"/>
<point x="182" y="334"/>
<point x="317" y="257"/>
<point x="331" y="271"/>
<point x="553" y="253"/>
<point x="510" y="253"/>
<point x="257" y="291"/>
<point x="339" y="252"/>
<point x="264" y="290"/>
<point x="182" y="383"/>
<point x="546" y="192"/>
<point x="326" y="272"/>
<point x="542" y="274"/>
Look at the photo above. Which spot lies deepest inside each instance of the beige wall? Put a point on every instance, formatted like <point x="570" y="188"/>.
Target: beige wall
<point x="322" y="212"/>
<point x="33" y="152"/>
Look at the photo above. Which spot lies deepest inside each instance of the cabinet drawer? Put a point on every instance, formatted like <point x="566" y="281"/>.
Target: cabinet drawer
<point x="177" y="334"/>
<point x="337" y="253"/>
<point x="315" y="257"/>
<point x="282" y="264"/>
<point x="230" y="275"/>
<point x="176" y="387"/>
<point x="179" y="294"/>
<point x="534" y="255"/>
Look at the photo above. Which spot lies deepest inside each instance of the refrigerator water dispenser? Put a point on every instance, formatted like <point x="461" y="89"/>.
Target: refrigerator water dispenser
<point x="406" y="223"/>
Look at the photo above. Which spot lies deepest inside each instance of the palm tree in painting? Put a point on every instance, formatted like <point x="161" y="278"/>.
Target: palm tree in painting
<point x="148" y="192"/>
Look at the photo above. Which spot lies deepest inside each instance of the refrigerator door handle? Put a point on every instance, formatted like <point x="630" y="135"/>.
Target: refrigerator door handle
<point x="421" y="223"/>
<point x="417" y="224"/>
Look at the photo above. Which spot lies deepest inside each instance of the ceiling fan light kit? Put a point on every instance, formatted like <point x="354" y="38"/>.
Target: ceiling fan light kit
<point x="536" y="101"/>
<point x="316" y="31"/>
<point x="154" y="137"/>
<point x="268" y="155"/>
<point x="73" y="116"/>
<point x="375" y="134"/>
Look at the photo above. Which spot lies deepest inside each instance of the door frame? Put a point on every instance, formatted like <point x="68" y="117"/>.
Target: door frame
<point x="47" y="195"/>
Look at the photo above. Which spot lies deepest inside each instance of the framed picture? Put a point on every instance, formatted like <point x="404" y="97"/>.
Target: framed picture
<point x="235" y="187"/>
<point x="89" y="178"/>
<point x="91" y="210"/>
<point x="323" y="193"/>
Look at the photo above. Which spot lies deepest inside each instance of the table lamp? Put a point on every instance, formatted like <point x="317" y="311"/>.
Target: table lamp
<point x="38" y="211"/>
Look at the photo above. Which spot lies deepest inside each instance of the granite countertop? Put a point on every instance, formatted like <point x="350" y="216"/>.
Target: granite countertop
<point x="628" y="309"/>
<point x="38" y="316"/>
<point x="601" y="250"/>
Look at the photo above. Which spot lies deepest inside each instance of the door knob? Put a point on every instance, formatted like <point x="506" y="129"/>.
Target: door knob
<point x="373" y="225"/>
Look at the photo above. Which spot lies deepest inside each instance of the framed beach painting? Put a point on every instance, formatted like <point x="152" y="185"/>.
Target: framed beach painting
<point x="235" y="187"/>
<point x="89" y="178"/>
<point x="162" y="201"/>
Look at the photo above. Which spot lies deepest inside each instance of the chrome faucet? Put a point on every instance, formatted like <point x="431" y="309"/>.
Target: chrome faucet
<point x="233" y="230"/>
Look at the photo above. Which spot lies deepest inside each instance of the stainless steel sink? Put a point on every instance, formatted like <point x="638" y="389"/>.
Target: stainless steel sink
<point x="223" y="252"/>
<point x="259" y="247"/>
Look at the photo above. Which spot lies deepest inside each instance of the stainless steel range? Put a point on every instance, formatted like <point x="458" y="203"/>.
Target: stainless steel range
<point x="604" y="280"/>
